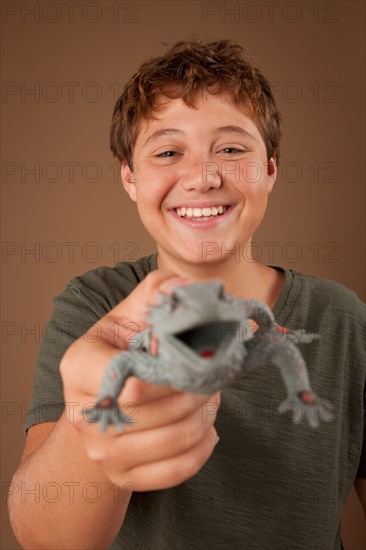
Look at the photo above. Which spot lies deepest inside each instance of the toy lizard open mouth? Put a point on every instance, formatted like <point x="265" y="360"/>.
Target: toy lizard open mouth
<point x="208" y="338"/>
<point x="207" y="353"/>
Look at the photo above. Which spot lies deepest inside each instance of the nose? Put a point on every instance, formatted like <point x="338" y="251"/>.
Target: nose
<point x="201" y="176"/>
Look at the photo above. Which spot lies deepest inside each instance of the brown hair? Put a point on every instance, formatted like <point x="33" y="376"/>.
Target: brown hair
<point x="186" y="68"/>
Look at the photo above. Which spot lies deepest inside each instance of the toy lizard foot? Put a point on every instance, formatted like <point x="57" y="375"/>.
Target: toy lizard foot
<point x="107" y="411"/>
<point x="307" y="404"/>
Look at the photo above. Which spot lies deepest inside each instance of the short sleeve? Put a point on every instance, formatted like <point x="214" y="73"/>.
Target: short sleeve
<point x="75" y="312"/>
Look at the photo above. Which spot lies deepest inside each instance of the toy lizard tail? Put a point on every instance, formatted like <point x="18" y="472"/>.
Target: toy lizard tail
<point x="263" y="316"/>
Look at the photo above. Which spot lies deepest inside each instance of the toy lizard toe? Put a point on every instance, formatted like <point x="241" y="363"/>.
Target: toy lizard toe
<point x="307" y="404"/>
<point x="107" y="411"/>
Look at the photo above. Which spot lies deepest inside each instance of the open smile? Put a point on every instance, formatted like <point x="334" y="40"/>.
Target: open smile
<point x="201" y="213"/>
<point x="198" y="216"/>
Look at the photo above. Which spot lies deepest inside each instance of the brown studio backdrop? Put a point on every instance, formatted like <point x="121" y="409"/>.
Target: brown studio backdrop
<point x="72" y="211"/>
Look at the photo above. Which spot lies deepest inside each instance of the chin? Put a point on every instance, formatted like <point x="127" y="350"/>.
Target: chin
<point x="200" y="258"/>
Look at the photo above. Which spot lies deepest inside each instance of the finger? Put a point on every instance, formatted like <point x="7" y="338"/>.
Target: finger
<point x="92" y="361"/>
<point x="168" y="285"/>
<point x="170" y="472"/>
<point x="145" y="292"/>
<point x="83" y="366"/>
<point x="119" y="330"/>
<point x="170" y="409"/>
<point x="141" y="392"/>
<point x="158" y="412"/>
<point x="128" y="318"/>
<point x="133" y="449"/>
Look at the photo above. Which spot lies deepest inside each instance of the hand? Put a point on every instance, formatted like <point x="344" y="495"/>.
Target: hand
<point x="171" y="438"/>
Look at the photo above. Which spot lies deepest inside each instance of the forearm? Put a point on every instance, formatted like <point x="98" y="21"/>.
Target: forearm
<point x="61" y="499"/>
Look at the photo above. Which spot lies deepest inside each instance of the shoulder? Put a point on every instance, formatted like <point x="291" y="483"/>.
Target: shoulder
<point x="328" y="289"/>
<point x="330" y="304"/>
<point x="104" y="287"/>
<point x="325" y="293"/>
<point x="314" y="303"/>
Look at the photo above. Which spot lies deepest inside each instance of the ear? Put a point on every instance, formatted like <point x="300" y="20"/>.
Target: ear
<point x="128" y="180"/>
<point x="271" y="173"/>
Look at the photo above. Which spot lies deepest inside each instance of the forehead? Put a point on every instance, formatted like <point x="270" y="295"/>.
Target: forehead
<point x="208" y="111"/>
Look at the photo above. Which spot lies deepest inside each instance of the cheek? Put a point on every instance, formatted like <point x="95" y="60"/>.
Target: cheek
<point x="253" y="173"/>
<point x="254" y="179"/>
<point x="153" y="192"/>
<point x="149" y="200"/>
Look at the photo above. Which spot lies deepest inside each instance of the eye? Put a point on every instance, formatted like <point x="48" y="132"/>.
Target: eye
<point x="232" y="150"/>
<point x="166" y="154"/>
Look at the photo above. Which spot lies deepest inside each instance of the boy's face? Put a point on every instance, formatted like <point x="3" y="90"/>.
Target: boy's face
<point x="212" y="159"/>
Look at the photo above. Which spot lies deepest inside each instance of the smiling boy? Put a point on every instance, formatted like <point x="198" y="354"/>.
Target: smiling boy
<point x="197" y="134"/>
<point x="204" y="178"/>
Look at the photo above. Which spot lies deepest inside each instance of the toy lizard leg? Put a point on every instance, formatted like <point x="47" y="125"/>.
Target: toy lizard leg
<point x="285" y="356"/>
<point x="123" y="365"/>
<point x="301" y="400"/>
<point x="106" y="410"/>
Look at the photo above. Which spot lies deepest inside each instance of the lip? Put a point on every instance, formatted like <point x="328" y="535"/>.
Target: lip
<point x="208" y="224"/>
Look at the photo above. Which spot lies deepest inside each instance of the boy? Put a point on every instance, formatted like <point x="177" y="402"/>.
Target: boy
<point x="197" y="133"/>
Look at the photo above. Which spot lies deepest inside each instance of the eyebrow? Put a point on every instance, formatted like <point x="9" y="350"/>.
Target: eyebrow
<point x="235" y="130"/>
<point x="165" y="132"/>
<point x="221" y="130"/>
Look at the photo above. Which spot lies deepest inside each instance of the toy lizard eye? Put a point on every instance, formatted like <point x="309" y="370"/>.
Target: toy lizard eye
<point x="175" y="301"/>
<point x="221" y="294"/>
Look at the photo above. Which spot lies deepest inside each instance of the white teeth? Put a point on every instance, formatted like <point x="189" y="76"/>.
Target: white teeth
<point x="201" y="213"/>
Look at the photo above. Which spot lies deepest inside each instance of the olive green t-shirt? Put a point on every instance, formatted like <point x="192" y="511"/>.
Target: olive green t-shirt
<point x="270" y="484"/>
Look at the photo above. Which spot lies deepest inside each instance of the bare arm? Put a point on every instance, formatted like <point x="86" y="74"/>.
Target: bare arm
<point x="83" y="477"/>
<point x="73" y="504"/>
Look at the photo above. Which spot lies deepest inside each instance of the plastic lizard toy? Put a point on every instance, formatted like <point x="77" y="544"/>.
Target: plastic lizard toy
<point x="205" y="341"/>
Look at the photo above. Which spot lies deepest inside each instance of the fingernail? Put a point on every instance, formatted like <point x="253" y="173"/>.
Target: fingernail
<point x="217" y="440"/>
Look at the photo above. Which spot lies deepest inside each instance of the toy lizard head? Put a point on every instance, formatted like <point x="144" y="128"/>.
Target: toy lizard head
<point x="199" y="325"/>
